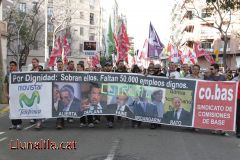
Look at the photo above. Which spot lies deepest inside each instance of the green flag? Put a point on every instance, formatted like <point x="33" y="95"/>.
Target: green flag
<point x="110" y="39"/>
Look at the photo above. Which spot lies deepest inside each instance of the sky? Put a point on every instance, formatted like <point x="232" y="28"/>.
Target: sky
<point x="139" y="13"/>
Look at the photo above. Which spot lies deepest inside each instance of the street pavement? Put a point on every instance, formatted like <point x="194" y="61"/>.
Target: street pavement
<point x="119" y="143"/>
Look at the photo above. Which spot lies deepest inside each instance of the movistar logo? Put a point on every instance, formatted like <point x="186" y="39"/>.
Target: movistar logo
<point x="29" y="101"/>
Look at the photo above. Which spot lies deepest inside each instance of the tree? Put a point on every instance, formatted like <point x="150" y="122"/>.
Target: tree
<point x="222" y="11"/>
<point x="30" y="26"/>
<point x="2" y="99"/>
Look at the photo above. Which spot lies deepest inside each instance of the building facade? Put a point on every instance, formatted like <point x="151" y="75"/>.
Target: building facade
<point x="187" y="28"/>
<point x="82" y="19"/>
<point x="3" y="36"/>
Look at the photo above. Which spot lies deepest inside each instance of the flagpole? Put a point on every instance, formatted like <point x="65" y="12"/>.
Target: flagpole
<point x="148" y="39"/>
<point x="46" y="31"/>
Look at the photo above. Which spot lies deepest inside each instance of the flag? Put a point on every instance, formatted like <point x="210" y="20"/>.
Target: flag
<point x="201" y="52"/>
<point x="192" y="56"/>
<point x="122" y="43"/>
<point x="110" y="39"/>
<point x="66" y="49"/>
<point x="56" y="52"/>
<point x="66" y="45"/>
<point x="188" y="56"/>
<point x="142" y="54"/>
<point x="175" y="54"/>
<point x="155" y="45"/>
<point x="95" y="60"/>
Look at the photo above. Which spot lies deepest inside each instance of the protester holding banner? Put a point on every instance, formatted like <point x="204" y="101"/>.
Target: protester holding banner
<point x="237" y="78"/>
<point x="110" y="119"/>
<point x="144" y="108"/>
<point x="35" y="64"/>
<point x="185" y="71"/>
<point x="16" y="123"/>
<point x="95" y="104"/>
<point x="172" y="72"/>
<point x="157" y="100"/>
<point x="84" y="100"/>
<point x="60" y="121"/>
<point x="80" y="66"/>
<point x="136" y="69"/>
<point x="35" y="67"/>
<point x="178" y="113"/>
<point x="158" y="71"/>
<point x="195" y="72"/>
<point x="238" y="110"/>
<point x="121" y="68"/>
<point x="216" y="76"/>
<point x="70" y="67"/>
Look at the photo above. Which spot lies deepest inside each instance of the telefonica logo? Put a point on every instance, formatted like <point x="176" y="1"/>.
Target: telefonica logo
<point x="29" y="101"/>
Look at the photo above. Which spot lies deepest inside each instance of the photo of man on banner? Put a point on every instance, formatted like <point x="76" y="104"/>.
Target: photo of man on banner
<point x="178" y="115"/>
<point x="157" y="99"/>
<point x="66" y="100"/>
<point x="120" y="107"/>
<point x="96" y="102"/>
<point x="142" y="106"/>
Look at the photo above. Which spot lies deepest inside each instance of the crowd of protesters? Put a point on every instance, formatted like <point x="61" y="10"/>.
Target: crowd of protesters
<point x="173" y="71"/>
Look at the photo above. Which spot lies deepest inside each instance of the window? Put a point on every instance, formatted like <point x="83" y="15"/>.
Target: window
<point x="207" y="44"/>
<point x="22" y="7"/>
<point x="207" y="25"/>
<point x="91" y="4"/>
<point x="91" y="37"/>
<point x="207" y="12"/>
<point x="189" y="44"/>
<point x="81" y="31"/>
<point x="91" y="18"/>
<point x="189" y="28"/>
<point x="81" y="47"/>
<point x="35" y="7"/>
<point x="189" y="15"/>
<point x="50" y="11"/>
<point x="81" y="15"/>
